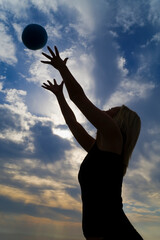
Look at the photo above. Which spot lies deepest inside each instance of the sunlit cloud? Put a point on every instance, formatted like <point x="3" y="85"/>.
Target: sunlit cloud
<point x="128" y="91"/>
<point x="7" y="46"/>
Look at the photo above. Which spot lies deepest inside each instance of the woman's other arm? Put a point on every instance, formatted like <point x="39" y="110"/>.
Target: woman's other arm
<point x="81" y="135"/>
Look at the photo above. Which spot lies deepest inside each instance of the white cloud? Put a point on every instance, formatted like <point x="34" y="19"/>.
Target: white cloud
<point x="54" y="30"/>
<point x="16" y="112"/>
<point x="155" y="130"/>
<point x="3" y="16"/>
<point x="14" y="95"/>
<point x="7" y="46"/>
<point x="129" y="91"/>
<point x="63" y="133"/>
<point x="155" y="39"/>
<point x="46" y="5"/>
<point x="85" y="23"/>
<point x="18" y="29"/>
<point x="87" y="15"/>
<point x="113" y="33"/>
<point x="19" y="118"/>
<point x="16" y="7"/>
<point x="2" y="77"/>
<point x="81" y="65"/>
<point x="38" y="72"/>
<point x="129" y="14"/>
<point x="121" y="66"/>
<point x="13" y="135"/>
<point x="154" y="15"/>
<point x="1" y="86"/>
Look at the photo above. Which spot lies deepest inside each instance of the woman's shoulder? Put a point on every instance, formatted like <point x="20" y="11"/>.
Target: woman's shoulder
<point x="111" y="143"/>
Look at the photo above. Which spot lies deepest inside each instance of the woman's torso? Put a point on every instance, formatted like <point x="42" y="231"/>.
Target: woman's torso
<point x="100" y="177"/>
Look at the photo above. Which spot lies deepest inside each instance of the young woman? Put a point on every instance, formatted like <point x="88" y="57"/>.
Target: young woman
<point x="101" y="173"/>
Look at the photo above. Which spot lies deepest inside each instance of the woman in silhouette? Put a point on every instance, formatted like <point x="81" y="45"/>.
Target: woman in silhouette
<point x="101" y="173"/>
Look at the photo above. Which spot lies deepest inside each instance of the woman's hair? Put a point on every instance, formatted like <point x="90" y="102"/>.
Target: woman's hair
<point x="130" y="124"/>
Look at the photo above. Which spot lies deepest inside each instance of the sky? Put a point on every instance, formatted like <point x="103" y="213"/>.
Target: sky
<point x="113" y="49"/>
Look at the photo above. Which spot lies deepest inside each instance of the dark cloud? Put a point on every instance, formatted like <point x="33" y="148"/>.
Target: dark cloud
<point x="74" y="192"/>
<point x="11" y="150"/>
<point x="9" y="119"/>
<point x="58" y="214"/>
<point x="48" y="147"/>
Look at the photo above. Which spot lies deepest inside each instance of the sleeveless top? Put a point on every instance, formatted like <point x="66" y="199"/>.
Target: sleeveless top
<point x="100" y="177"/>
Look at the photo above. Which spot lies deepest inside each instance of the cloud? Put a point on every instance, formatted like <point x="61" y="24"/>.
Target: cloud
<point x="18" y="9"/>
<point x="7" y="46"/>
<point x="155" y="40"/>
<point x="141" y="184"/>
<point x="18" y="30"/>
<point x="54" y="31"/>
<point x="38" y="72"/>
<point x="49" y="197"/>
<point x="48" y="212"/>
<point x="38" y="167"/>
<point x="20" y="130"/>
<point x="129" y="91"/>
<point x="130" y="14"/>
<point x="85" y="22"/>
<point x="45" y="6"/>
<point x="15" y="119"/>
<point x="153" y="15"/>
<point x="48" y="147"/>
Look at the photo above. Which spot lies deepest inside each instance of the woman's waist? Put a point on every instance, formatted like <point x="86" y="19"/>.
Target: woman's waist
<point x="102" y="205"/>
<point x="92" y="195"/>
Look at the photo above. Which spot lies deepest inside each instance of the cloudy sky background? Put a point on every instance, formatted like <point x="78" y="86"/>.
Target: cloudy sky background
<point x="113" y="49"/>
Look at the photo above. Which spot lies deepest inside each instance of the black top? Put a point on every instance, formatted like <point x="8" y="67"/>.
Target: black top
<point x="100" y="177"/>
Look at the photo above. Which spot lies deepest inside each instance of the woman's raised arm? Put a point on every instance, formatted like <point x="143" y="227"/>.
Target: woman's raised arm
<point x="97" y="117"/>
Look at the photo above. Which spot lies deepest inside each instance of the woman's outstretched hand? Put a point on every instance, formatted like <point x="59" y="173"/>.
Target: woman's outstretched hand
<point x="55" y="88"/>
<point x="55" y="59"/>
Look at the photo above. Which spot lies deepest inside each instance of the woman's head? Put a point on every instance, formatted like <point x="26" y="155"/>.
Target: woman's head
<point x="113" y="111"/>
<point x="130" y="124"/>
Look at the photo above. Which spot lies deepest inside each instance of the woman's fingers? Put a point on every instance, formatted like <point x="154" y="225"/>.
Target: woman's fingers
<point x="46" y="87"/>
<point x="47" y="56"/>
<point x="56" y="51"/>
<point x="51" y="52"/>
<point x="55" y="82"/>
<point x="62" y="83"/>
<point x="65" y="60"/>
<point x="55" y="59"/>
<point x="50" y="84"/>
<point x="46" y="62"/>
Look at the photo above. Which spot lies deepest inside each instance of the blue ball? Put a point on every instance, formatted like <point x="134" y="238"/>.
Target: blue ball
<point x="34" y="36"/>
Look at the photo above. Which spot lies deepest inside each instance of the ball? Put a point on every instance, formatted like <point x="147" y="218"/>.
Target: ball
<point x="34" y="36"/>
